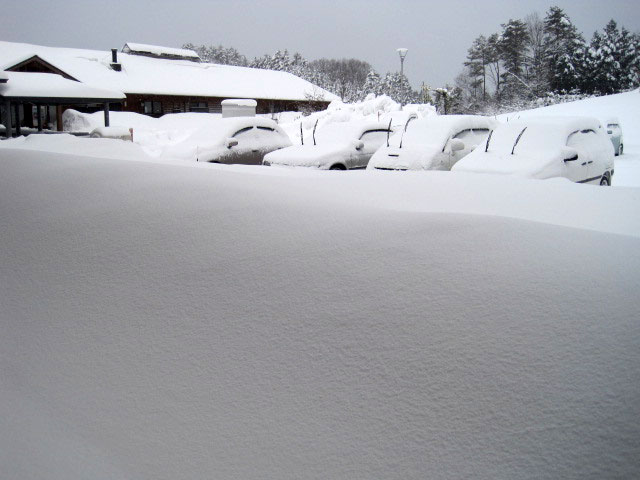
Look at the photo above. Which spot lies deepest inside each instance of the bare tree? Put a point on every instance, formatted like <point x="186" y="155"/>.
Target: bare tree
<point x="536" y="71"/>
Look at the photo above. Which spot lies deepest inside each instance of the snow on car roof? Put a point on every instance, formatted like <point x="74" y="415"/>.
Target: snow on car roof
<point x="436" y="129"/>
<point x="48" y="85"/>
<point x="215" y="128"/>
<point x="158" y="76"/>
<point x="542" y="133"/>
<point x="337" y="132"/>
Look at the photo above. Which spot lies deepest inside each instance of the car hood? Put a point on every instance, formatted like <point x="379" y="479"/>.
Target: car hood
<point x="544" y="164"/>
<point x="423" y="157"/>
<point x="309" y="155"/>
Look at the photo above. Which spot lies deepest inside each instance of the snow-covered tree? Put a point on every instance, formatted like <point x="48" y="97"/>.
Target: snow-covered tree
<point x="347" y="76"/>
<point x="398" y="88"/>
<point x="494" y="62"/>
<point x="628" y="58"/>
<point x="372" y="84"/>
<point x="513" y="50"/>
<point x="477" y="61"/>
<point x="448" y="100"/>
<point x="564" y="50"/>
<point x="603" y="61"/>
<point x="536" y="66"/>
<point x="219" y="54"/>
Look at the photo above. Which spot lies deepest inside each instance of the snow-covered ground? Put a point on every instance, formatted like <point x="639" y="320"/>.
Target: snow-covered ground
<point x="170" y="320"/>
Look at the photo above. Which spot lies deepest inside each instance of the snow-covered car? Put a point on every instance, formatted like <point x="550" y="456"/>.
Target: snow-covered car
<point x="576" y="148"/>
<point x="432" y="143"/>
<point x="244" y="140"/>
<point x="614" y="130"/>
<point x="335" y="146"/>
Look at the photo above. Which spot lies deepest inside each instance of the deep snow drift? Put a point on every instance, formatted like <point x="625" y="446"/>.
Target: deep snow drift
<point x="185" y="320"/>
<point x="163" y="322"/>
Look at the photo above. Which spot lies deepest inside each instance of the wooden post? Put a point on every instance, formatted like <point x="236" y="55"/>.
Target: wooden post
<point x="39" y="113"/>
<point x="59" y="117"/>
<point x="17" y="109"/>
<point x="7" y="118"/>
<point x="106" y="114"/>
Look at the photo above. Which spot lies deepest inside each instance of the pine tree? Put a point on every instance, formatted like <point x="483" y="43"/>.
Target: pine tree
<point x="477" y="60"/>
<point x="604" y="61"/>
<point x="513" y="45"/>
<point x="398" y="88"/>
<point x="373" y="84"/>
<point x="627" y="58"/>
<point x="564" y="49"/>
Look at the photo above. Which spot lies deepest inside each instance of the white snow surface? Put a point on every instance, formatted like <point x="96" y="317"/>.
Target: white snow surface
<point x="165" y="321"/>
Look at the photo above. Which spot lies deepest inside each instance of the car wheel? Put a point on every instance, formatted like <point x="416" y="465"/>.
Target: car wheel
<point x="604" y="181"/>
<point x="620" y="148"/>
<point x="337" y="166"/>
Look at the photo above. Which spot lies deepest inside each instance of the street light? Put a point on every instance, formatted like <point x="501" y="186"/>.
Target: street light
<point x="403" y="53"/>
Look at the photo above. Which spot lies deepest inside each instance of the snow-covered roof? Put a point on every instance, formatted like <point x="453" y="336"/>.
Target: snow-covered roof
<point x="49" y="85"/>
<point x="158" y="76"/>
<point x="144" y="49"/>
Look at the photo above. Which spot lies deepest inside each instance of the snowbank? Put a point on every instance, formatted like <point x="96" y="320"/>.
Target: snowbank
<point x="167" y="322"/>
<point x="381" y="108"/>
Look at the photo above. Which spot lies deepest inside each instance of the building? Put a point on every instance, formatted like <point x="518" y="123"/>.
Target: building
<point x="158" y="80"/>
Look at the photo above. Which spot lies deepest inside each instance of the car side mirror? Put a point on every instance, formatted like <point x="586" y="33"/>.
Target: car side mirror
<point x="570" y="155"/>
<point x="231" y="142"/>
<point x="358" y="144"/>
<point x="456" y="145"/>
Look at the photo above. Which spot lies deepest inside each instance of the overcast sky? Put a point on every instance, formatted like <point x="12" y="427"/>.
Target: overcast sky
<point x="437" y="34"/>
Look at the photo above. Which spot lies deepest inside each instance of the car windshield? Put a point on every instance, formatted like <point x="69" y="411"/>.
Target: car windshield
<point x="535" y="138"/>
<point x="333" y="133"/>
<point x="420" y="132"/>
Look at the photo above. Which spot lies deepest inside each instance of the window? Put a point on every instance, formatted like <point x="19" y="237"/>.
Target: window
<point x="583" y="139"/>
<point x="373" y="139"/>
<point x="472" y="136"/>
<point x="202" y="107"/>
<point x="464" y="134"/>
<point x="152" y="108"/>
<point x="243" y="132"/>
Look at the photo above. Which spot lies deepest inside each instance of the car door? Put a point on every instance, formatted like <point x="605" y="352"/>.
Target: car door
<point x="245" y="151"/>
<point x="268" y="139"/>
<point x="581" y="170"/>
<point x="372" y="140"/>
<point x="466" y="137"/>
<point x="615" y="136"/>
